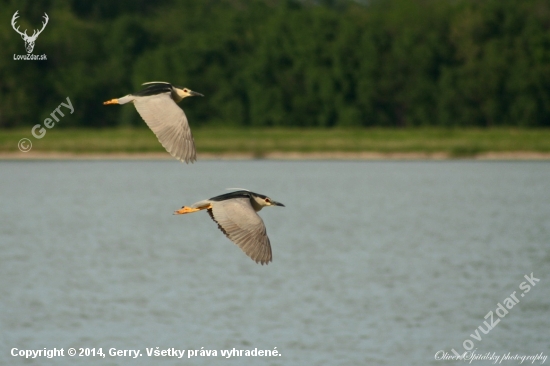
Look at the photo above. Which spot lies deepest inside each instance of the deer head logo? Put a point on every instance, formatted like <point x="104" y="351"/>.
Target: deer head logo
<point x="29" y="41"/>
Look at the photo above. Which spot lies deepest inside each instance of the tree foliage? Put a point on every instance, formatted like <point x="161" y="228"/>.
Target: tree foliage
<point x="393" y="63"/>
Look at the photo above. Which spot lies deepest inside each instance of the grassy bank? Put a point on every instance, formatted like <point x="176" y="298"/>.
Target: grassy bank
<point x="259" y="142"/>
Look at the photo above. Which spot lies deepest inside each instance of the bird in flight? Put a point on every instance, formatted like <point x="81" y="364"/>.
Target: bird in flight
<point x="156" y="104"/>
<point x="236" y="216"/>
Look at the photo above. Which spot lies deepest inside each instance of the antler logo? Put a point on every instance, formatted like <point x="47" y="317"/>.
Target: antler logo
<point x="29" y="41"/>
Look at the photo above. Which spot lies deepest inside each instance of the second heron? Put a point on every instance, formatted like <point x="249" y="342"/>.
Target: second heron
<point x="236" y="214"/>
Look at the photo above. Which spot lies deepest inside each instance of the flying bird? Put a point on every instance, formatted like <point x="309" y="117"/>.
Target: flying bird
<point x="156" y="104"/>
<point x="236" y="216"/>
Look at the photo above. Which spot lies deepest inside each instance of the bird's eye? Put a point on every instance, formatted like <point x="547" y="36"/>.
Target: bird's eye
<point x="267" y="200"/>
<point x="185" y="90"/>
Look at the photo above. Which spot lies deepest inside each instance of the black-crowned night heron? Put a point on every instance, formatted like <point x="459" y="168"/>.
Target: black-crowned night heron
<point x="235" y="214"/>
<point x="156" y="104"/>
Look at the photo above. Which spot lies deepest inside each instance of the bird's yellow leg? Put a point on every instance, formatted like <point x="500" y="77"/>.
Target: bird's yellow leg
<point x="112" y="101"/>
<point x="185" y="210"/>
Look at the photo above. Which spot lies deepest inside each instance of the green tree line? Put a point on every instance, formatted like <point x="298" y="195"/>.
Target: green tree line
<point x="288" y="63"/>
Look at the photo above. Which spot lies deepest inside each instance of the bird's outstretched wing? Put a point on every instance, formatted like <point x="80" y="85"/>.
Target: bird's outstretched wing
<point x="241" y="224"/>
<point x="169" y="123"/>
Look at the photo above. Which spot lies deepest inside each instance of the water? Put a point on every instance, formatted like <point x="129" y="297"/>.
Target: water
<point x="382" y="263"/>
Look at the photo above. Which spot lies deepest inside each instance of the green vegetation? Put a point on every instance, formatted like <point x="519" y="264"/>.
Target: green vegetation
<point x="258" y="142"/>
<point x="285" y="63"/>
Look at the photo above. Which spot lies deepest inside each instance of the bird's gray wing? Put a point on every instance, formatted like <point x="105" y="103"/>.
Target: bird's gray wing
<point x="242" y="225"/>
<point x="169" y="123"/>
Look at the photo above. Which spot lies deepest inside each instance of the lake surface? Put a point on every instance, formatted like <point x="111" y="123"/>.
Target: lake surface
<point x="374" y="263"/>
